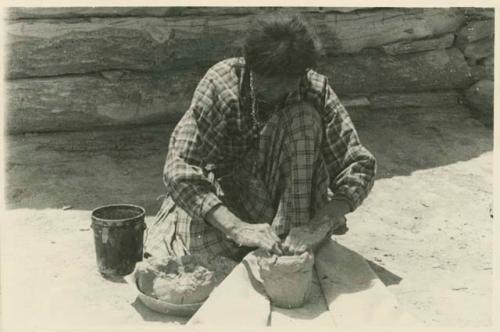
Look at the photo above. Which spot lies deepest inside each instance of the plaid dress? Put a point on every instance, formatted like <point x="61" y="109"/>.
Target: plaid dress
<point x="306" y="153"/>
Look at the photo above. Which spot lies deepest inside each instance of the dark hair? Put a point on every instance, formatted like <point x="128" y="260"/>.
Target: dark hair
<point x="281" y="45"/>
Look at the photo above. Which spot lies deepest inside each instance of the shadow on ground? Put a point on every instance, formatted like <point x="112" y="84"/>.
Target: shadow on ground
<point x="411" y="139"/>
<point x="84" y="170"/>
<point x="386" y="276"/>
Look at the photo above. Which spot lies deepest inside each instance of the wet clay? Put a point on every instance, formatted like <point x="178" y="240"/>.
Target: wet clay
<point x="311" y="235"/>
<point x="287" y="279"/>
<point x="186" y="287"/>
<point x="182" y="280"/>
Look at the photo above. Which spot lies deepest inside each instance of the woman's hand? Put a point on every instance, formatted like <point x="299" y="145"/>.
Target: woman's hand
<point x="309" y="236"/>
<point x="256" y="235"/>
<point x="244" y="234"/>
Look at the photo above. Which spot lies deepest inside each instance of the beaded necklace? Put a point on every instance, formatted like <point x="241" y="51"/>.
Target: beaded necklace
<point x="256" y="123"/>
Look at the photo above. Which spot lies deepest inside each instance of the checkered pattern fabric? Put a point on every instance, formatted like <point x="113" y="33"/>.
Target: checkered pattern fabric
<point x="279" y="174"/>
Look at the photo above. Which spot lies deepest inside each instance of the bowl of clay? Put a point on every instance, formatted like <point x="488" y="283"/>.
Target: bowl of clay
<point x="163" y="307"/>
<point x="178" y="286"/>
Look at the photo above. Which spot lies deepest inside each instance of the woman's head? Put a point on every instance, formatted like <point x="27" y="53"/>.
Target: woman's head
<point x="281" y="45"/>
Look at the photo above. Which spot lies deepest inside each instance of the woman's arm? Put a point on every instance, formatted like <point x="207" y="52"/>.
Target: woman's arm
<point x="192" y="141"/>
<point x="351" y="166"/>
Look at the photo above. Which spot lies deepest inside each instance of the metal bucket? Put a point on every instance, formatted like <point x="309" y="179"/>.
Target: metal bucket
<point x="118" y="237"/>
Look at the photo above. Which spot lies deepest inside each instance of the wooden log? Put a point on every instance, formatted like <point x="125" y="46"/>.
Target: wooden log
<point x="423" y="99"/>
<point x="60" y="47"/>
<point x="484" y="69"/>
<point x="112" y="98"/>
<point x="87" y="102"/>
<point x="17" y="13"/>
<point x="480" y="97"/>
<point x="425" y="71"/>
<point x="420" y="45"/>
<point x="120" y="98"/>
<point x="478" y="50"/>
<point x="350" y="33"/>
<point x="56" y="47"/>
<point x="476" y="30"/>
<point x="489" y="61"/>
<point x="478" y="72"/>
<point x="489" y="65"/>
<point x="478" y="13"/>
<point x="355" y="102"/>
<point x="343" y="9"/>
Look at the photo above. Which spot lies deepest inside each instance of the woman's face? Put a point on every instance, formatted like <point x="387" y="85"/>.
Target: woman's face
<point x="272" y="89"/>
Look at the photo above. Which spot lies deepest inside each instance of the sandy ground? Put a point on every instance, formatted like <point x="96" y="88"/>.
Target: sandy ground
<point x="426" y="228"/>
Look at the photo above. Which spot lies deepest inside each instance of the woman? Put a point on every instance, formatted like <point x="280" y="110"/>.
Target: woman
<point x="265" y="157"/>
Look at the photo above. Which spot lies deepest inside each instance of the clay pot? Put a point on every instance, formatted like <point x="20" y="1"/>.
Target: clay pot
<point x="287" y="279"/>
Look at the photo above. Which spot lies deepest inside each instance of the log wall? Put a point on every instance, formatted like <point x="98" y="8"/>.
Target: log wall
<point x="83" y="68"/>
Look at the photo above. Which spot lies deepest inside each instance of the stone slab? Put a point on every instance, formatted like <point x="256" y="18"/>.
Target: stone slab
<point x="238" y="301"/>
<point x="344" y="278"/>
<point x="355" y="296"/>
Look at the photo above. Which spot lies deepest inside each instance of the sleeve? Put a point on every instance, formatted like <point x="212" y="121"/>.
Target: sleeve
<point x="350" y="165"/>
<point x="191" y="142"/>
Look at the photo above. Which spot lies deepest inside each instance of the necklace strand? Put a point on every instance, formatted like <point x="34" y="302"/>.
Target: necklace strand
<point x="256" y="123"/>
